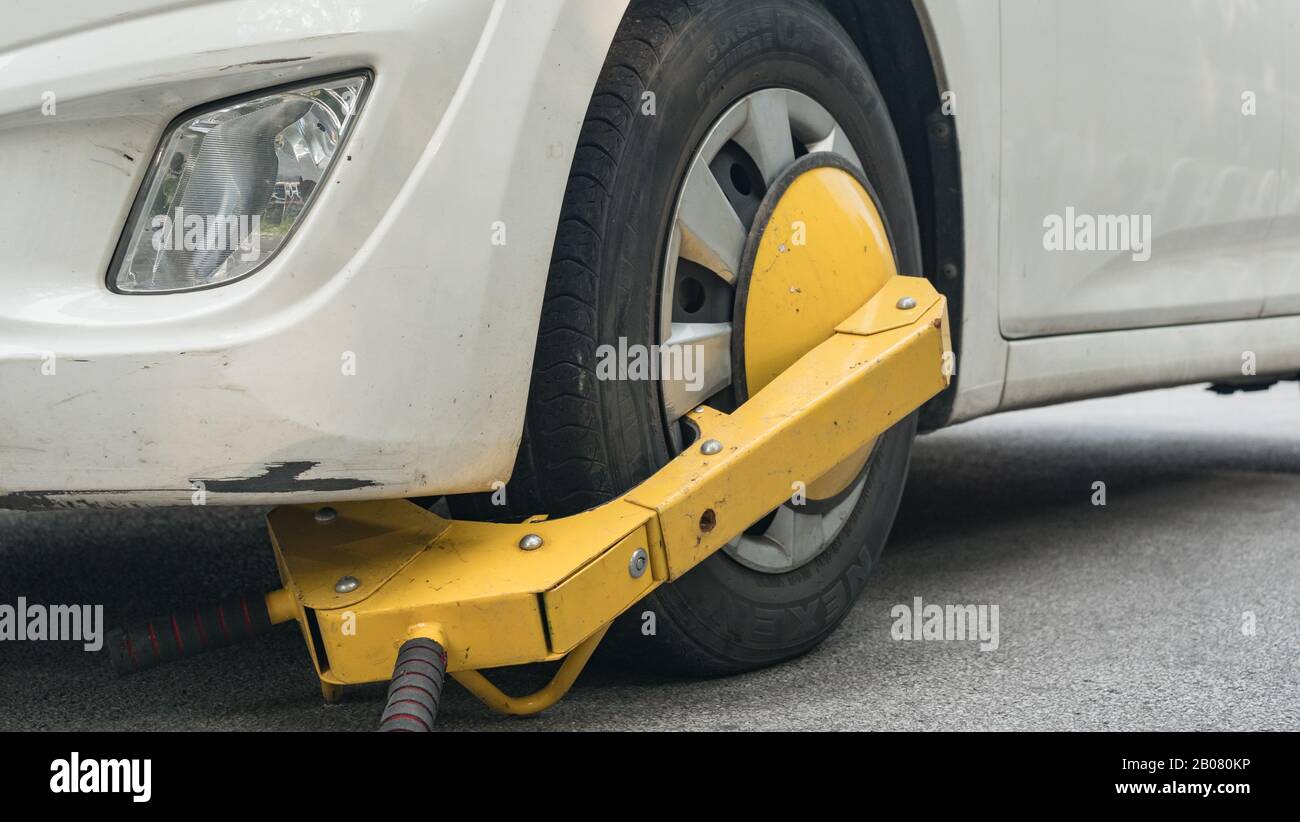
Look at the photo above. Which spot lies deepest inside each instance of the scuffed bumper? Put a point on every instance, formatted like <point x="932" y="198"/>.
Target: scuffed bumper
<point x="385" y="352"/>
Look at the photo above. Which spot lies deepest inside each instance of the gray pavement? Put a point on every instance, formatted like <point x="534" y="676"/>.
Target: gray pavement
<point x="1123" y="616"/>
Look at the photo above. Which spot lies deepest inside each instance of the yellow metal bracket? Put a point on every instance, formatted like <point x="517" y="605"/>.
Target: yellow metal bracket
<point x="490" y="695"/>
<point x="363" y="577"/>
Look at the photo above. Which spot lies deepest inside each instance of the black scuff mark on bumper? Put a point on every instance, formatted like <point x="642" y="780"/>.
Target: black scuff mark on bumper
<point x="278" y="478"/>
<point x="75" y="500"/>
<point x="283" y="478"/>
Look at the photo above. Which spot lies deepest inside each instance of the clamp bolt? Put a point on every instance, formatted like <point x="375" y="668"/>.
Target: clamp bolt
<point x="907" y="303"/>
<point x="637" y="565"/>
<point x="346" y="585"/>
<point x="531" y="542"/>
<point x="326" y="515"/>
<point x="710" y="447"/>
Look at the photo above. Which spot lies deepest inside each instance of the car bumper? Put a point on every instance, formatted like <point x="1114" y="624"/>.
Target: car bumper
<point x="384" y="352"/>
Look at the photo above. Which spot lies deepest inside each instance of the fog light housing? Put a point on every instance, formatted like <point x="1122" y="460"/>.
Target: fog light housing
<point x="229" y="184"/>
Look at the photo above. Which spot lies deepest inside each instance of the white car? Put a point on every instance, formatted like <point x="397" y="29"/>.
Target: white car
<point x="269" y="251"/>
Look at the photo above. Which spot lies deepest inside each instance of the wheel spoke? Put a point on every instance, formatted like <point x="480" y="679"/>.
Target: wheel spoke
<point x="668" y="291"/>
<point x="696" y="365"/>
<point x="782" y="536"/>
<point x="809" y="536"/>
<point x="712" y="233"/>
<point x="761" y="551"/>
<point x="837" y="142"/>
<point x="798" y="536"/>
<point x="816" y="128"/>
<point x="766" y="134"/>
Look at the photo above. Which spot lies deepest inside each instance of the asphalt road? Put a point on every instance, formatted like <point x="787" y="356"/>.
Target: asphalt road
<point x="1124" y="616"/>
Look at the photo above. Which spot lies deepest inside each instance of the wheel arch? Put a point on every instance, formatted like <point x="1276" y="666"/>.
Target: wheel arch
<point x="894" y="39"/>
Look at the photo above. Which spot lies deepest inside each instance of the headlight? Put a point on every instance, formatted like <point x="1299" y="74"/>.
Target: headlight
<point x="229" y="184"/>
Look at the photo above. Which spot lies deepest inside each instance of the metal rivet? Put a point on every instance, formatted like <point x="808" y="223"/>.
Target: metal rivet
<point x="325" y="515"/>
<point x="710" y="447"/>
<point x="531" y="542"/>
<point x="637" y="565"/>
<point x="907" y="303"/>
<point x="346" y="585"/>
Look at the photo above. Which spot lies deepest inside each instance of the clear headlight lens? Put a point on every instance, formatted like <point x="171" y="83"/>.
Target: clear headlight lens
<point x="229" y="185"/>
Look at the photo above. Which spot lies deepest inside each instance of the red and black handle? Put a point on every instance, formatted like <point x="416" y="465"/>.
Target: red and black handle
<point x="186" y="633"/>
<point x="416" y="689"/>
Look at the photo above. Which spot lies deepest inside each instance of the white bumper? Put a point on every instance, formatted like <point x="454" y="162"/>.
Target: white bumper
<point x="243" y="392"/>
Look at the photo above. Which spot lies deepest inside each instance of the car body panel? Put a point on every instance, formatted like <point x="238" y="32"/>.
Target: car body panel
<point x="1054" y="369"/>
<point x="1282" y="246"/>
<point x="1117" y="109"/>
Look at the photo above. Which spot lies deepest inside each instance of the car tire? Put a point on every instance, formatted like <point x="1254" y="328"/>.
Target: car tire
<point x="586" y="440"/>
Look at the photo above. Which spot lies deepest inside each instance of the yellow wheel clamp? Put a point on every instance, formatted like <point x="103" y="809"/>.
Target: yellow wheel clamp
<point x="388" y="590"/>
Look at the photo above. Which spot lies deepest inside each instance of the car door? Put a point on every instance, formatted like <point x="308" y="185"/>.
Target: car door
<point x="1141" y="144"/>
<point x="1283" y="246"/>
